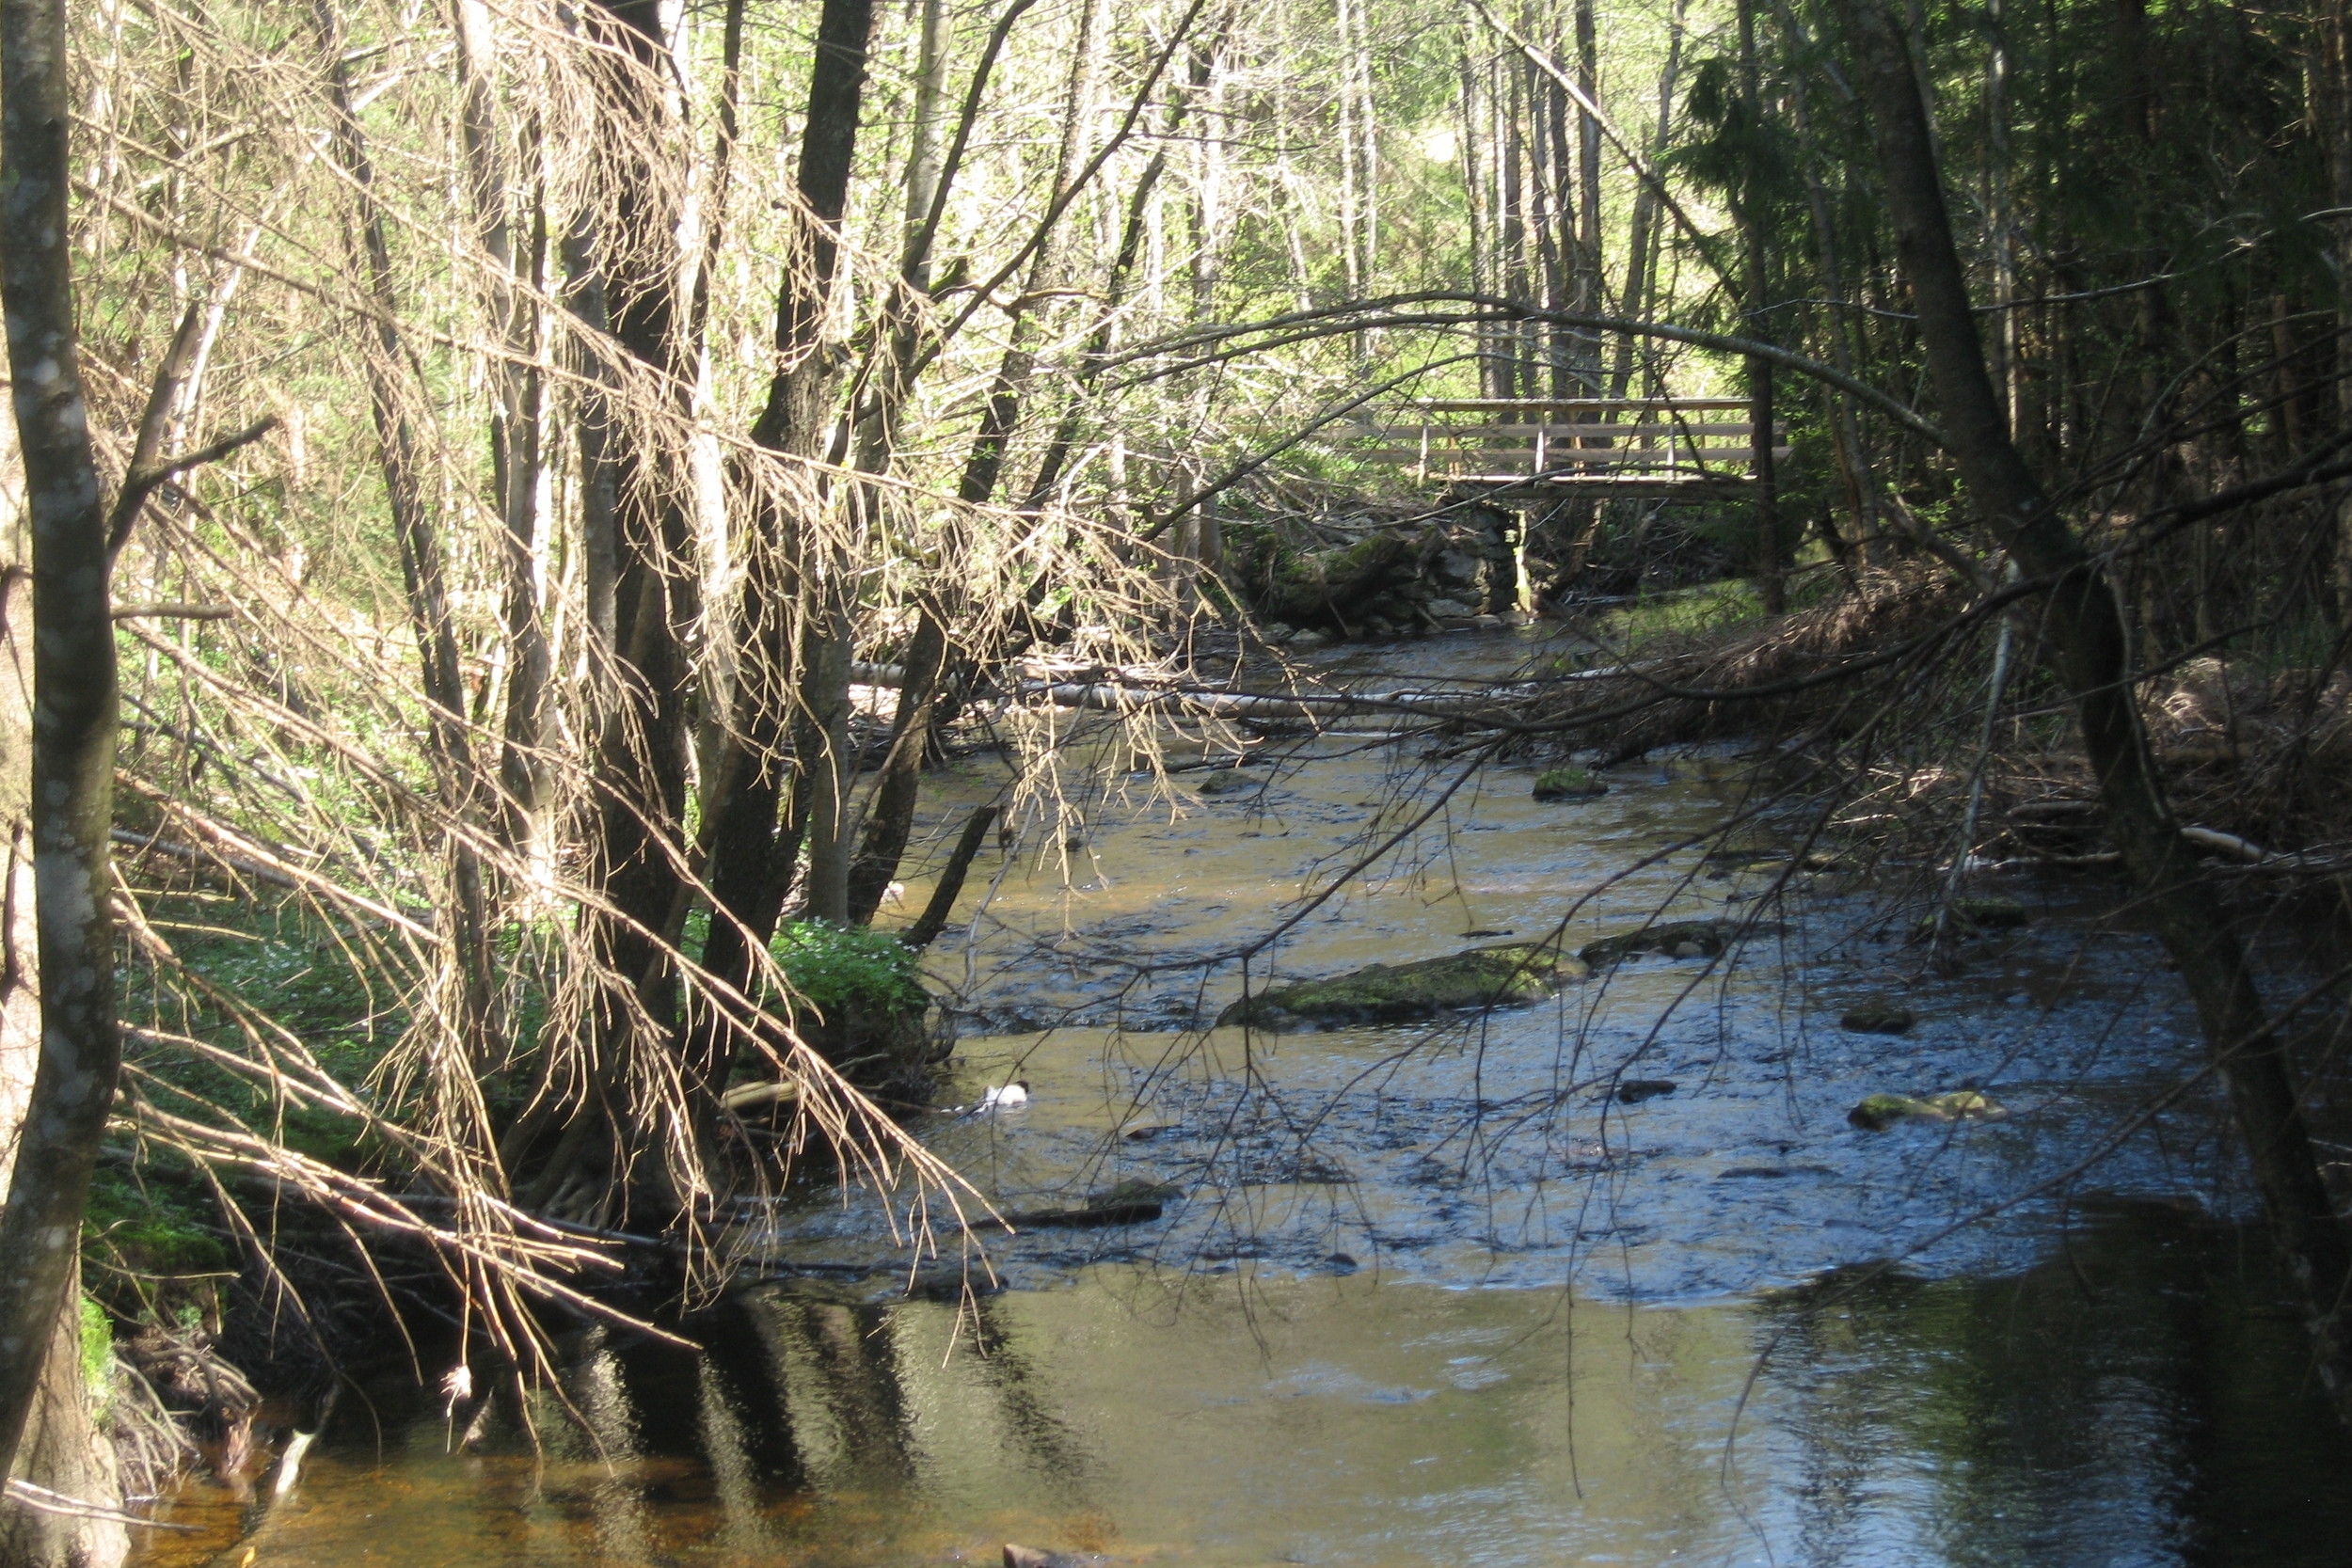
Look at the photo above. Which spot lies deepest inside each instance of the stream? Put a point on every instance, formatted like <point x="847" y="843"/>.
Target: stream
<point x="1446" y="1292"/>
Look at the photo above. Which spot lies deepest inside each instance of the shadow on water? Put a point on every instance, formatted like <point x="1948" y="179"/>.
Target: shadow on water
<point x="2139" y="1399"/>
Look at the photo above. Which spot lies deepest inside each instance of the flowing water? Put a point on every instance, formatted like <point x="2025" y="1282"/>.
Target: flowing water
<point x="1439" y="1293"/>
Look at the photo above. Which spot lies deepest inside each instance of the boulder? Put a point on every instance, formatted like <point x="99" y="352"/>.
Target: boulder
<point x="1499" y="976"/>
<point x="1224" y="781"/>
<point x="1568" y="784"/>
<point x="1879" y="1112"/>
<point x="1968" y="916"/>
<point x="1680" y="939"/>
<point x="1127" y="1203"/>
<point x="1878" y="1018"/>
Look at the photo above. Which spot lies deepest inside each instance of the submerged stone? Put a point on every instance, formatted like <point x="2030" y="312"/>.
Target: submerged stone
<point x="1878" y="1018"/>
<point x="1879" y="1112"/>
<point x="1634" y="1090"/>
<point x="1493" y="977"/>
<point x="1967" y="916"/>
<point x="1568" y="784"/>
<point x="1680" y="939"/>
<point x="1225" y="780"/>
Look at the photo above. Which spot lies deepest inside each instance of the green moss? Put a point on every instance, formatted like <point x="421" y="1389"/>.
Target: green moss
<point x="98" y="1347"/>
<point x="151" y="1229"/>
<point x="847" y="971"/>
<point x="1567" y="783"/>
<point x="1382" y="993"/>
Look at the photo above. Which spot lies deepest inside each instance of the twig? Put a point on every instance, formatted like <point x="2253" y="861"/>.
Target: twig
<point x="44" y="1500"/>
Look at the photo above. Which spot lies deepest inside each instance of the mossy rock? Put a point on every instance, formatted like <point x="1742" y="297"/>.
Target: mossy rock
<point x="1878" y="1018"/>
<point x="1680" y="939"/>
<point x="1746" y="851"/>
<point x="1879" y="1112"/>
<point x="1968" y="916"/>
<point x="1568" y="784"/>
<point x="1383" y="993"/>
<point x="1225" y="780"/>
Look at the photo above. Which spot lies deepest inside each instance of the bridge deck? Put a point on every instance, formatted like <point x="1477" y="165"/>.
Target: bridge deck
<point x="1639" y="447"/>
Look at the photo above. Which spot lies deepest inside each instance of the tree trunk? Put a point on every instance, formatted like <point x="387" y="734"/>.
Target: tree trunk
<point x="1754" y="288"/>
<point x="638" y="851"/>
<point x="424" y="567"/>
<point x="73" y="723"/>
<point x="60" y="1450"/>
<point x="749" y="853"/>
<point x="2093" y="661"/>
<point x="510" y="287"/>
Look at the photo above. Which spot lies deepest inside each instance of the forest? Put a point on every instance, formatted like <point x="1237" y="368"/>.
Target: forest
<point x="603" y="600"/>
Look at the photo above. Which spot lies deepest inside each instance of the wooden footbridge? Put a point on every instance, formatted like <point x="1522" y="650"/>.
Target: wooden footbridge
<point x="1682" y="447"/>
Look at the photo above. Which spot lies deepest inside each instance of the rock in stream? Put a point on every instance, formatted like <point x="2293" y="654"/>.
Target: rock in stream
<point x="1493" y="976"/>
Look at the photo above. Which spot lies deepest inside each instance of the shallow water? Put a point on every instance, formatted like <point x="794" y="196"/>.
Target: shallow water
<point x="2138" y="1406"/>
<point x="1434" y="1294"/>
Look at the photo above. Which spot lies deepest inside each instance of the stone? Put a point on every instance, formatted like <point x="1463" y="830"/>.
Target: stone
<point x="1498" y="975"/>
<point x="953" y="1284"/>
<point x="1310" y="638"/>
<point x="1879" y="1112"/>
<point x="1133" y="1202"/>
<point x="1030" y="1556"/>
<point x="1568" y="784"/>
<point x="1634" y="1090"/>
<point x="1449" y="610"/>
<point x="1225" y="780"/>
<point x="1878" y="1018"/>
<point x="1681" y="939"/>
<point x="1967" y="916"/>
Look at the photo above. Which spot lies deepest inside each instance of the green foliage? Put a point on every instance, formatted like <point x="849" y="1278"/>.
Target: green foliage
<point x="283" y="960"/>
<point x="848" y="970"/>
<point x="149" y="1226"/>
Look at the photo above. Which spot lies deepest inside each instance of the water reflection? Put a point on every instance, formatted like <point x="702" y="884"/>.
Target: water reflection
<point x="2140" y="1399"/>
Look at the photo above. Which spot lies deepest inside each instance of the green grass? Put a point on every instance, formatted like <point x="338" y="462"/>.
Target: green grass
<point x="281" y="962"/>
<point x="1710" y="607"/>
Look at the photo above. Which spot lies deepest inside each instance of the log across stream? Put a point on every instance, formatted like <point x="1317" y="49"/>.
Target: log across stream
<point x="1608" y="1275"/>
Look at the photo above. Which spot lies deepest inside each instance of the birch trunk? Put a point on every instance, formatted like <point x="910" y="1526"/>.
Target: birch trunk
<point x="70" y="776"/>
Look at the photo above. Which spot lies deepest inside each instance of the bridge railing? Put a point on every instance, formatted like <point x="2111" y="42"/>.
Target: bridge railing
<point x="1570" y="443"/>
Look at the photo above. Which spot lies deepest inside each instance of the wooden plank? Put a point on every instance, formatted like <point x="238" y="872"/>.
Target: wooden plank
<point x="1584" y="458"/>
<point x="1458" y="434"/>
<point x="1718" y="460"/>
<point x="1619" y="484"/>
<point x="1601" y="406"/>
